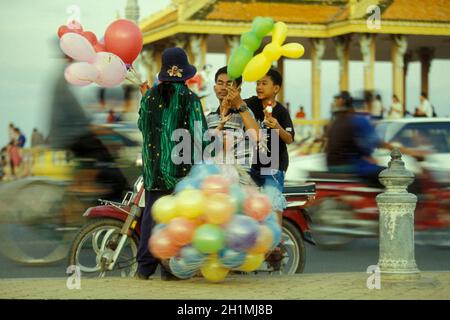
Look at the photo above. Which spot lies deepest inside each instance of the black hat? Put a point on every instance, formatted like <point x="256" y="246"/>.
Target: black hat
<point x="175" y="66"/>
<point x="345" y="95"/>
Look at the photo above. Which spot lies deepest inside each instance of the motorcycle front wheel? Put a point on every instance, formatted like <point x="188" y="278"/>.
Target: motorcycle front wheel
<point x="97" y="240"/>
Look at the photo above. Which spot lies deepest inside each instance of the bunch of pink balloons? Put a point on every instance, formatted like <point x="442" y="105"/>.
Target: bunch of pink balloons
<point x="212" y="225"/>
<point x="105" y="64"/>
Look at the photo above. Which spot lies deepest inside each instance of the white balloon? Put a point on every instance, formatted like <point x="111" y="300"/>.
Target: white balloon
<point x="77" y="47"/>
<point x="81" y="73"/>
<point x="112" y="70"/>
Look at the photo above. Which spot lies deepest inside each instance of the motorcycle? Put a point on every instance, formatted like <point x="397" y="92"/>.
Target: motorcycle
<point x="39" y="214"/>
<point x="108" y="242"/>
<point x="346" y="208"/>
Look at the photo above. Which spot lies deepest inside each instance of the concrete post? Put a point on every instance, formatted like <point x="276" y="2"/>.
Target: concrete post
<point x="396" y="208"/>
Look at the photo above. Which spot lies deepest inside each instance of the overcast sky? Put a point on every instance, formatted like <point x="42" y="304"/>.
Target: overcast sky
<point x="28" y="63"/>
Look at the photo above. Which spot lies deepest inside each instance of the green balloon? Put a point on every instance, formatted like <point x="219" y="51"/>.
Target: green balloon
<point x="208" y="238"/>
<point x="262" y="26"/>
<point x="250" y="41"/>
<point x="238" y="60"/>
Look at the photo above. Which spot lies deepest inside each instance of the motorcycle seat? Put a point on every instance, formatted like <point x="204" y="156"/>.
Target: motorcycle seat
<point x="295" y="188"/>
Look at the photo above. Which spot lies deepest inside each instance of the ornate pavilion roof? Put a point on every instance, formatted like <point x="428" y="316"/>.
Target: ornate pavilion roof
<point x="306" y="18"/>
<point x="425" y="21"/>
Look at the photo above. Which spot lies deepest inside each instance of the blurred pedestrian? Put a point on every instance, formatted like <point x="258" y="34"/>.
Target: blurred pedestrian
<point x="3" y="162"/>
<point x="424" y="109"/>
<point x="37" y="138"/>
<point x="111" y="116"/>
<point x="164" y="108"/>
<point x="301" y="113"/>
<point x="377" y="109"/>
<point x="11" y="131"/>
<point x="15" y="158"/>
<point x="396" y="110"/>
<point x="19" y="138"/>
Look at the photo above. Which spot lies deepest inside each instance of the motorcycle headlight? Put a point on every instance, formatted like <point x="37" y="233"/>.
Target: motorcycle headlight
<point x="139" y="160"/>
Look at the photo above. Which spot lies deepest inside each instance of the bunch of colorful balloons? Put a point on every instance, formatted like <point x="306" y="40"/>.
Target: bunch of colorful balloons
<point x="251" y="68"/>
<point x="212" y="224"/>
<point x="104" y="63"/>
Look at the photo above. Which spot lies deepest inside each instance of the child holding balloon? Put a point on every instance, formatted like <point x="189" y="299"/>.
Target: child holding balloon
<point x="164" y="108"/>
<point x="274" y="117"/>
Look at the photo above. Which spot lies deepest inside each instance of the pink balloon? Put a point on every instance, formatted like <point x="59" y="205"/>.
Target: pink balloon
<point x="81" y="73"/>
<point x="75" y="26"/>
<point x="112" y="70"/>
<point x="77" y="47"/>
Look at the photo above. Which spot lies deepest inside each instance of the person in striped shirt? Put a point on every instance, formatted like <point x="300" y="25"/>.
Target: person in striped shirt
<point x="233" y="122"/>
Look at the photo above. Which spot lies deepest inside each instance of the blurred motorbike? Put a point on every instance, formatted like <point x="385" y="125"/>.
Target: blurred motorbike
<point x="345" y="208"/>
<point x="40" y="213"/>
<point x="108" y="242"/>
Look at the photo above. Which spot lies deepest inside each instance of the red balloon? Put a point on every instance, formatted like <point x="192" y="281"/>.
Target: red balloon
<point x="181" y="230"/>
<point x="99" y="47"/>
<point x="162" y="246"/>
<point x="257" y="206"/>
<point x="92" y="38"/>
<point x="63" y="30"/>
<point x="124" y="39"/>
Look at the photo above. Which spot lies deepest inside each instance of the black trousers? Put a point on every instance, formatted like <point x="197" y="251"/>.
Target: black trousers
<point x="147" y="263"/>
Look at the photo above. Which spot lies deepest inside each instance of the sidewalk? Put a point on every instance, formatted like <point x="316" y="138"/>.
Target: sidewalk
<point x="432" y="285"/>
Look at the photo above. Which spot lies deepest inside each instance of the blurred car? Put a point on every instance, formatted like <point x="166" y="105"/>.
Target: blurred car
<point x="431" y="134"/>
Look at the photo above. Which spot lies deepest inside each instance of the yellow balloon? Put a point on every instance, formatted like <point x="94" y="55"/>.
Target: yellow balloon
<point x="213" y="271"/>
<point x="256" y="68"/>
<point x="279" y="33"/>
<point x="252" y="262"/>
<point x="292" y="50"/>
<point x="190" y="203"/>
<point x="260" y="64"/>
<point x="164" y="209"/>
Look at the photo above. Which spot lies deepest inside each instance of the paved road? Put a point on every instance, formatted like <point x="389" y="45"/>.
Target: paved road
<point x="355" y="257"/>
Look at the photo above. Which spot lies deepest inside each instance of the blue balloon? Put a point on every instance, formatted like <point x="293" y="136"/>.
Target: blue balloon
<point x="201" y="171"/>
<point x="187" y="183"/>
<point x="192" y="256"/>
<point x="241" y="233"/>
<point x="272" y="218"/>
<point x="158" y="226"/>
<point x="181" y="269"/>
<point x="231" y="258"/>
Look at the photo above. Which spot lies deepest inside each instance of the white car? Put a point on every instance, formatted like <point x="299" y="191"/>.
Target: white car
<point x="431" y="134"/>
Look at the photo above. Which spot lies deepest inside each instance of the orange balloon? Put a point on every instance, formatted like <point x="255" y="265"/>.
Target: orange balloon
<point x="161" y="246"/>
<point x="257" y="206"/>
<point x="219" y="208"/>
<point x="215" y="184"/>
<point x="181" y="230"/>
<point x="264" y="240"/>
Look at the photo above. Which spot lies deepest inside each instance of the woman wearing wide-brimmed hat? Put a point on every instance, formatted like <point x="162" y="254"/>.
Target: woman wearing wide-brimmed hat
<point x="165" y="107"/>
